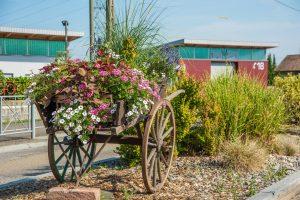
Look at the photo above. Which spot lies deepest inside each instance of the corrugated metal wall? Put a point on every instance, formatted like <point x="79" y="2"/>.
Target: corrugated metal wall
<point x="222" y="53"/>
<point x="9" y="46"/>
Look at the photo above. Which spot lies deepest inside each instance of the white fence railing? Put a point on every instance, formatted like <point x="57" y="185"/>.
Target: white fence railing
<point x="17" y="115"/>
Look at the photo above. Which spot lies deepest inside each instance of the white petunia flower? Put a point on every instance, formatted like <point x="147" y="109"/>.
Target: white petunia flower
<point x="69" y="109"/>
<point x="80" y="107"/>
<point x="61" y="121"/>
<point x="76" y="110"/>
<point x="71" y="124"/>
<point x="79" y="128"/>
<point x="68" y="116"/>
<point x="145" y="102"/>
<point x="72" y="113"/>
<point x="98" y="119"/>
<point x="65" y="115"/>
<point x="130" y="113"/>
<point x="84" y="113"/>
<point x="93" y="117"/>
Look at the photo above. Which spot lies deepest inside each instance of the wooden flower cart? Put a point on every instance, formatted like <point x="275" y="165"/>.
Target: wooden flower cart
<point x="156" y="132"/>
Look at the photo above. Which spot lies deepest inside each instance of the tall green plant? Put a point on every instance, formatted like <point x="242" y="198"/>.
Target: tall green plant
<point x="136" y="38"/>
<point x="238" y="107"/>
<point x="290" y="86"/>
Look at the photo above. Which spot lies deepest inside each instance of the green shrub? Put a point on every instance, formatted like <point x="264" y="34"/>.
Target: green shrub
<point x="186" y="110"/>
<point x="238" y="107"/>
<point x="13" y="85"/>
<point x="290" y="85"/>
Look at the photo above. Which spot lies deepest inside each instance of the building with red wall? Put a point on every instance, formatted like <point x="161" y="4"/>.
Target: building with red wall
<point x="204" y="58"/>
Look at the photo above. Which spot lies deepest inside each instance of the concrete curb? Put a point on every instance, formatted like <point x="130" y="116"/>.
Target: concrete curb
<point x="285" y="189"/>
<point x="108" y="161"/>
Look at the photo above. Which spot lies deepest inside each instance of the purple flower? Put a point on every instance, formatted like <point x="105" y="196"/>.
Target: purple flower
<point x="124" y="78"/>
<point x="89" y="94"/>
<point x="103" y="73"/>
<point x="116" y="72"/>
<point x="83" y="86"/>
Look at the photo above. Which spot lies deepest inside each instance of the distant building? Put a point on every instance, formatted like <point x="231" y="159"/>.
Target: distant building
<point x="24" y="50"/>
<point x="214" y="58"/>
<point x="290" y="64"/>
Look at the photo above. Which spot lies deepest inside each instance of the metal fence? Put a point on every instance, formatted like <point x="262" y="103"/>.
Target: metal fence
<point x="17" y="115"/>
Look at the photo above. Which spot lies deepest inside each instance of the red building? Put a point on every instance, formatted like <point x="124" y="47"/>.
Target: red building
<point x="204" y="58"/>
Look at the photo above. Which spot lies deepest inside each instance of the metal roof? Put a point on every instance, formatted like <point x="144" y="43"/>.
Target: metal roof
<point x="291" y="63"/>
<point x="220" y="43"/>
<point x="40" y="34"/>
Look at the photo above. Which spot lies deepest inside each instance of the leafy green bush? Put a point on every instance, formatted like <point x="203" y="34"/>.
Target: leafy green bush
<point x="290" y="86"/>
<point x="238" y="107"/>
<point x="187" y="111"/>
<point x="13" y="85"/>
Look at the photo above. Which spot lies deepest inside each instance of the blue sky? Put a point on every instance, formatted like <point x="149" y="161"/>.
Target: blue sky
<point x="238" y="20"/>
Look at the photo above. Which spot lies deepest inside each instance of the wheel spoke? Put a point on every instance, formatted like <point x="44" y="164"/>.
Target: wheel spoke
<point x="161" y="121"/>
<point x="164" y="159"/>
<point x="79" y="157"/>
<point x="152" y="145"/>
<point x="165" y="123"/>
<point x="66" y="165"/>
<point x="167" y="132"/>
<point x="154" y="173"/>
<point x="153" y="133"/>
<point x="62" y="155"/>
<point x="159" y="169"/>
<point x="74" y="163"/>
<point x="152" y="153"/>
<point x="85" y="152"/>
<point x="151" y="167"/>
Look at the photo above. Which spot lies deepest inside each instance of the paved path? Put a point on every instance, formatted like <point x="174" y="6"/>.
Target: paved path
<point x="31" y="161"/>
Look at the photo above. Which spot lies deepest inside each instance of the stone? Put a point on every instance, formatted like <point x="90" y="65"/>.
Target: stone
<point x="59" y="193"/>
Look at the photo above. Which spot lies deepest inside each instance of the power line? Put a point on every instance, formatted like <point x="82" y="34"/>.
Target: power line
<point x="286" y="5"/>
<point x="22" y="8"/>
<point x="35" y="12"/>
<point x="54" y="17"/>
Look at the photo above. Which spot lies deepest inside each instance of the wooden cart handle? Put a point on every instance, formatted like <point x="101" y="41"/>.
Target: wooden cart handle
<point x="173" y="95"/>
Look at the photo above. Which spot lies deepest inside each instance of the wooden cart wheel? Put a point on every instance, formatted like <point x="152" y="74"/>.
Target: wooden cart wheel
<point x="158" y="145"/>
<point x="66" y="154"/>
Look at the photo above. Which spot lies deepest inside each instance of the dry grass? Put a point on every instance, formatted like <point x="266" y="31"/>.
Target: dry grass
<point x="285" y="144"/>
<point x="244" y="157"/>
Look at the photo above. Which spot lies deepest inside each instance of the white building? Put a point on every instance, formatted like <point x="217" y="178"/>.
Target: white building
<point x="25" y="50"/>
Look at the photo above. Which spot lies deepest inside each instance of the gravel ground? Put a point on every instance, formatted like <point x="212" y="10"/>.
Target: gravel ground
<point x="190" y="178"/>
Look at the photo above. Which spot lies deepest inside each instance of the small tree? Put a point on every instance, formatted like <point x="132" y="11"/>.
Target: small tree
<point x="272" y="66"/>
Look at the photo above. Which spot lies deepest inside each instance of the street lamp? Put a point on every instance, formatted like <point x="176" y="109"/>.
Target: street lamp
<point x="65" y="23"/>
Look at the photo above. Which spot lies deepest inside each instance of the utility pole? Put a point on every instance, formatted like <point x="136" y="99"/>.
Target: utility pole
<point x="109" y="18"/>
<point x="92" y="29"/>
<point x="65" y="23"/>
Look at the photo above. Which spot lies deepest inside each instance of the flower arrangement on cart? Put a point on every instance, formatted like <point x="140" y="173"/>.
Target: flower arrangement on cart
<point x="80" y="102"/>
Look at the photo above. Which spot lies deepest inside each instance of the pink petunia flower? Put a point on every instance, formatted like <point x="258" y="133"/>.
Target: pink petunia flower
<point x="124" y="78"/>
<point x="103" y="73"/>
<point x="116" y="72"/>
<point x="83" y="86"/>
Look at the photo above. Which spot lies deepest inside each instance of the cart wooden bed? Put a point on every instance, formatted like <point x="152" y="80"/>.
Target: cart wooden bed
<point x="156" y="133"/>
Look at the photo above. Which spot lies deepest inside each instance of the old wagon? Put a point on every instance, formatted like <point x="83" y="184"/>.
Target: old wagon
<point x="70" y="158"/>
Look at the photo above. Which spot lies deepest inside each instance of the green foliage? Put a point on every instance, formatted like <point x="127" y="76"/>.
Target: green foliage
<point x="271" y="69"/>
<point x="186" y="110"/>
<point x="135" y="36"/>
<point x="238" y="107"/>
<point x="13" y="85"/>
<point x="290" y="86"/>
<point x="130" y="155"/>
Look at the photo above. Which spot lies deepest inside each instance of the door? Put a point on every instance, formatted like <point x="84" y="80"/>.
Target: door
<point x="222" y="68"/>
